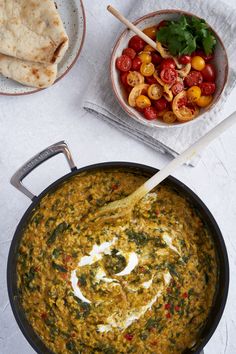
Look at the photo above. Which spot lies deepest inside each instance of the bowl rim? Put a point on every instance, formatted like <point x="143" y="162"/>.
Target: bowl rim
<point x="125" y="105"/>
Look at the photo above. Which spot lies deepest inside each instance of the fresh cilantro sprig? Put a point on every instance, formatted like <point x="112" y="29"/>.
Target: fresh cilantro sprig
<point x="185" y="35"/>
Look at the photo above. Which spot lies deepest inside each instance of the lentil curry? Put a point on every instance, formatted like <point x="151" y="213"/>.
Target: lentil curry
<point x="145" y="285"/>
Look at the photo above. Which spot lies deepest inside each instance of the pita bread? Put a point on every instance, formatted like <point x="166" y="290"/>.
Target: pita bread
<point x="28" y="73"/>
<point x="32" y="30"/>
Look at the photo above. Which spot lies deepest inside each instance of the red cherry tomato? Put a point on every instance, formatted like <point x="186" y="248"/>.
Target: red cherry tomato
<point x="129" y="336"/>
<point x="123" y="63"/>
<point x="194" y="78"/>
<point x="202" y="54"/>
<point x="182" y="102"/>
<point x="168" y="63"/>
<point x="137" y="44"/>
<point x="185" y="59"/>
<point x="209" y="73"/>
<point x="136" y="64"/>
<point x="161" y="104"/>
<point x="150" y="113"/>
<point x="123" y="78"/>
<point x="156" y="58"/>
<point x="177" y="88"/>
<point x="151" y="80"/>
<point x="169" y="75"/>
<point x="207" y="88"/>
<point x="129" y="52"/>
<point x="163" y="23"/>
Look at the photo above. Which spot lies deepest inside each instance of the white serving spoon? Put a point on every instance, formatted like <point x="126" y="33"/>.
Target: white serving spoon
<point x="123" y="207"/>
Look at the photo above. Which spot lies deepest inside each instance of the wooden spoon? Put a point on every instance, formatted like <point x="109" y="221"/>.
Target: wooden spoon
<point x="156" y="45"/>
<point x="132" y="27"/>
<point x="123" y="207"/>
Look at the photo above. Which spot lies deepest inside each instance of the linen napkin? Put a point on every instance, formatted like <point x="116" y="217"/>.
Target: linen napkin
<point x="101" y="101"/>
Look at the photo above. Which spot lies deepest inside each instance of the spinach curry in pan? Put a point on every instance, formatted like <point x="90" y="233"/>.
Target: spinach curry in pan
<point x="144" y="285"/>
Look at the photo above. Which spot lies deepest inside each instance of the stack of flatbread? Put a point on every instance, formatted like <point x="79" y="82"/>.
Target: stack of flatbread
<point x="33" y="41"/>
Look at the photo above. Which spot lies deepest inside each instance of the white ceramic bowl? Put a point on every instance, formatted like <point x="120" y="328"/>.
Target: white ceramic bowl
<point x="220" y="61"/>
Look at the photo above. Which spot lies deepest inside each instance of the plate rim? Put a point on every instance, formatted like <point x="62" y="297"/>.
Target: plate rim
<point x="67" y="70"/>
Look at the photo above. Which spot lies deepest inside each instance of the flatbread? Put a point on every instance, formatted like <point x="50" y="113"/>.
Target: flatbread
<point x="28" y="73"/>
<point x="32" y="30"/>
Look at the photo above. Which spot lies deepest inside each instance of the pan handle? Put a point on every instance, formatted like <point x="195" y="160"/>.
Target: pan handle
<point x="34" y="162"/>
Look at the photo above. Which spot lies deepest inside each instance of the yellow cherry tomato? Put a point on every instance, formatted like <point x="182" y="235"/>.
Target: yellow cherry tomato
<point x="145" y="57"/>
<point x="147" y="69"/>
<point x="148" y="48"/>
<point x="169" y="117"/>
<point x="134" y="78"/>
<point x="151" y="32"/>
<point x="155" y="91"/>
<point x="198" y="63"/>
<point x="137" y="91"/>
<point x="183" y="112"/>
<point x="194" y="93"/>
<point x="143" y="102"/>
<point x="204" y="101"/>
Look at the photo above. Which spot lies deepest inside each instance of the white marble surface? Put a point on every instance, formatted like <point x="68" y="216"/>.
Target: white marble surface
<point x="29" y="124"/>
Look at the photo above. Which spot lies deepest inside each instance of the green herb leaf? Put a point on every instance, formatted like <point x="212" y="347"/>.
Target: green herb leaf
<point x="185" y="35"/>
<point x="140" y="238"/>
<point x="57" y="231"/>
<point x="59" y="267"/>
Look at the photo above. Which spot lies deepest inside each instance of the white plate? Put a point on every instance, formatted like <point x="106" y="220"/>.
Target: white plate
<point x="73" y="17"/>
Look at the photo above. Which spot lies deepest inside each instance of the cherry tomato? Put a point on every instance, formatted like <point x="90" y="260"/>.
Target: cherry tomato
<point x="136" y="64"/>
<point x="137" y="44"/>
<point x="123" y="63"/>
<point x="198" y="63"/>
<point x="150" y="113"/>
<point x="134" y="78"/>
<point x="135" y="92"/>
<point x="163" y="23"/>
<point x="147" y="69"/>
<point x="208" y="88"/>
<point x="202" y="54"/>
<point x="169" y="117"/>
<point x="168" y="63"/>
<point x="143" y="102"/>
<point x="129" y="52"/>
<point x="123" y="78"/>
<point x="156" y="58"/>
<point x="194" y="78"/>
<point x="161" y="104"/>
<point x="204" y="101"/>
<point x="194" y="93"/>
<point x="209" y="73"/>
<point x="129" y="336"/>
<point x="177" y="88"/>
<point x="151" y="32"/>
<point x="155" y="91"/>
<point x="148" y="48"/>
<point x="151" y="80"/>
<point x="169" y="75"/>
<point x="182" y="109"/>
<point x="185" y="59"/>
<point x="145" y="57"/>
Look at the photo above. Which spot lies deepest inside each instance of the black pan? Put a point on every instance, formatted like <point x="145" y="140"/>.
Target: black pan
<point x="223" y="281"/>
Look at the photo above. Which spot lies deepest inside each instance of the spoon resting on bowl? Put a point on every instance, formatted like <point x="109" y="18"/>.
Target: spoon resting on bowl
<point x="156" y="45"/>
<point x="123" y="207"/>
